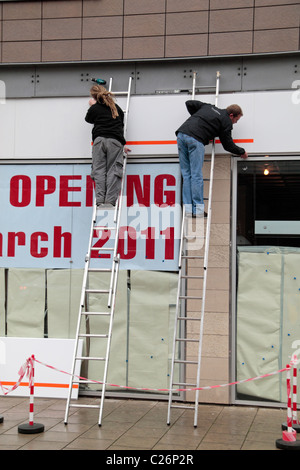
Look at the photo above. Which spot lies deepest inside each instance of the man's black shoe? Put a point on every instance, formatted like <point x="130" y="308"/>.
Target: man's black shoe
<point x="204" y="214"/>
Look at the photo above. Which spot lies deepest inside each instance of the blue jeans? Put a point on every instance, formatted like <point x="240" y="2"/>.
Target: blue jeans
<point x="191" y="157"/>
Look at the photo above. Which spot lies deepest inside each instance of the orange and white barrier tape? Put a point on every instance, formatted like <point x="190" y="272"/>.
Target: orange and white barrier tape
<point x="167" y="389"/>
<point x="28" y="370"/>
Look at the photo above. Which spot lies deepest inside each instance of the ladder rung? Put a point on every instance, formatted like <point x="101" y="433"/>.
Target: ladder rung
<point x="96" y="291"/>
<point x="99" y="270"/>
<point x="183" y="361"/>
<point x="90" y="335"/>
<point x="121" y="92"/>
<point x="192" y="277"/>
<point x="102" y="249"/>
<point x="189" y="318"/>
<point x="192" y="257"/>
<point x="205" y="86"/>
<point x="86" y="381"/>
<point x="190" y="297"/>
<point x="96" y="313"/>
<point x="102" y="227"/>
<point x="184" y="407"/>
<point x="183" y="384"/>
<point x="74" y="405"/>
<point x="87" y="358"/>
<point x="187" y="340"/>
<point x="194" y="237"/>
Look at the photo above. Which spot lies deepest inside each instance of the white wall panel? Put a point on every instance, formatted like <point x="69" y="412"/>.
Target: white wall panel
<point x="55" y="127"/>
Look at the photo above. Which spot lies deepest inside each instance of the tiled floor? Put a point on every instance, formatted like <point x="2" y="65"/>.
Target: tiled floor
<point x="129" y="424"/>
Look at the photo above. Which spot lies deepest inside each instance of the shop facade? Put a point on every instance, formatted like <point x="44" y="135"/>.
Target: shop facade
<point x="252" y="306"/>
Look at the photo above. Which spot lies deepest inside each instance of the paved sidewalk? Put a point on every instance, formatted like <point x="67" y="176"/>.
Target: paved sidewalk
<point x="138" y="425"/>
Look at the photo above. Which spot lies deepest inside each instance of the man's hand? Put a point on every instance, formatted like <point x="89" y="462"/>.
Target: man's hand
<point x="244" y="156"/>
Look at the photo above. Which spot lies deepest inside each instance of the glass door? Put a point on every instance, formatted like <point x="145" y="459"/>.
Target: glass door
<point x="266" y="274"/>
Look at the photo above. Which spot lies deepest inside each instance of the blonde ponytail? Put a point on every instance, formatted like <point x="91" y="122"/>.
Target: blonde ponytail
<point x="100" y="94"/>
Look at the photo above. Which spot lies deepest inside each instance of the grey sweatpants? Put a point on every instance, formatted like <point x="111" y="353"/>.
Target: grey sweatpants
<point x="107" y="169"/>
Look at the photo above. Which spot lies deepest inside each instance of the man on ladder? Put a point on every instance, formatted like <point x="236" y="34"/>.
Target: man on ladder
<point x="205" y="123"/>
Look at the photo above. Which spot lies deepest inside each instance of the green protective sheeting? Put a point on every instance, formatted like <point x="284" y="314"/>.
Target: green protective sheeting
<point x="268" y="318"/>
<point x="290" y="312"/>
<point x="63" y="300"/>
<point x="26" y="303"/>
<point x="97" y="348"/>
<point x="140" y="346"/>
<point x="151" y="323"/>
<point x="45" y="303"/>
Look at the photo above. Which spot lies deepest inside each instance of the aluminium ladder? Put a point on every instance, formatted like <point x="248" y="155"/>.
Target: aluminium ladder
<point x="182" y="322"/>
<point x="84" y="313"/>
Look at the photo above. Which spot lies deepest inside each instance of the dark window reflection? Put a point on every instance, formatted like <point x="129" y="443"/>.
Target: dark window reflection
<point x="268" y="191"/>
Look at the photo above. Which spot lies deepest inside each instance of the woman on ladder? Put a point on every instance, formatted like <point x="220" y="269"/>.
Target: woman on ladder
<point x="108" y="145"/>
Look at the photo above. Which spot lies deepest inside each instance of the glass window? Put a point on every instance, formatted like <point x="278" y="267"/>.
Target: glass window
<point x="268" y="191"/>
<point x="268" y="275"/>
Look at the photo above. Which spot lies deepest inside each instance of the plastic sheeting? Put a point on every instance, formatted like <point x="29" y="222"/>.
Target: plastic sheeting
<point x="26" y="303"/>
<point x="63" y="300"/>
<point x="142" y="336"/>
<point x="151" y="328"/>
<point x="99" y="324"/>
<point x="268" y="318"/>
<point x="45" y="304"/>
